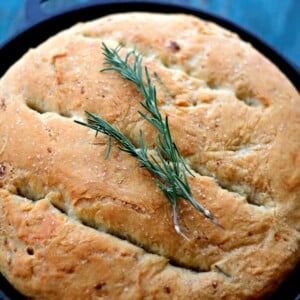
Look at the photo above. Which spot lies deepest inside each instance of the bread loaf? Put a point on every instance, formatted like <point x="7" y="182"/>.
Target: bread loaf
<point x="76" y="226"/>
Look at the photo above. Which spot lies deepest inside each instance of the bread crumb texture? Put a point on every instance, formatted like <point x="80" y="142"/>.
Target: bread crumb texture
<point x="76" y="226"/>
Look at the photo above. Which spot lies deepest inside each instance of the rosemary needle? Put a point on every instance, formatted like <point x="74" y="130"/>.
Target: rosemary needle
<point x="167" y="164"/>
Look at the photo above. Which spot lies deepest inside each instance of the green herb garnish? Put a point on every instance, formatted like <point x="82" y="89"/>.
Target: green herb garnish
<point x="219" y="269"/>
<point x="166" y="162"/>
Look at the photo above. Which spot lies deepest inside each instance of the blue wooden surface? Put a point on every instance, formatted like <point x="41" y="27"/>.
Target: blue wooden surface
<point x="275" y="21"/>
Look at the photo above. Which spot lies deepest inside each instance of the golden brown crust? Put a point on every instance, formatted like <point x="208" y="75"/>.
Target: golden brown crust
<point x="235" y="118"/>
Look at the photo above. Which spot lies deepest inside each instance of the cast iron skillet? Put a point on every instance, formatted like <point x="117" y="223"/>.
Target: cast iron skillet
<point x="43" y="26"/>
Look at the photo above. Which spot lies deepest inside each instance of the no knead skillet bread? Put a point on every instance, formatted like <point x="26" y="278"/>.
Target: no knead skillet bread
<point x="76" y="226"/>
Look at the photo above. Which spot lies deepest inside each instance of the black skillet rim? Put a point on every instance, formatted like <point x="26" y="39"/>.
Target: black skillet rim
<point x="15" y="47"/>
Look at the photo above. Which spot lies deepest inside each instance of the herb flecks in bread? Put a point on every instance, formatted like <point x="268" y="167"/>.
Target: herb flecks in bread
<point x="165" y="162"/>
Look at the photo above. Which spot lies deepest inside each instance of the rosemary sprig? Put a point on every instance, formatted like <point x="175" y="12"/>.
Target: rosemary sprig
<point x="167" y="164"/>
<point x="219" y="269"/>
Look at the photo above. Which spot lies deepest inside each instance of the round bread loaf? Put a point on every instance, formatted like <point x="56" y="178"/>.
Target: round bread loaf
<point x="76" y="226"/>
